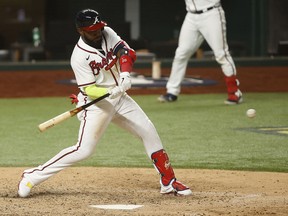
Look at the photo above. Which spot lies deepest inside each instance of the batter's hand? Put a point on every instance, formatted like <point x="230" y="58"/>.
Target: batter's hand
<point x="115" y="92"/>
<point x="125" y="81"/>
<point x="74" y="99"/>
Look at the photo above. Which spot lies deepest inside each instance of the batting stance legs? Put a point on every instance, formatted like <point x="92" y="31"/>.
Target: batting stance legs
<point x="124" y="112"/>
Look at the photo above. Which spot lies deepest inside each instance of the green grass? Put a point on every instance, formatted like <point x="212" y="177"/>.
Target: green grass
<point x="198" y="131"/>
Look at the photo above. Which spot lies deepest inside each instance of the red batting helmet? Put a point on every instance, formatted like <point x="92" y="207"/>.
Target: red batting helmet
<point x="89" y="20"/>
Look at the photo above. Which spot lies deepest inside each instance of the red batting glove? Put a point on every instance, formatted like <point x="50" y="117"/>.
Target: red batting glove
<point x="74" y="99"/>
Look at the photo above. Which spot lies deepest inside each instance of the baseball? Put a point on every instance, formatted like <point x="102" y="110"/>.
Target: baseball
<point x="251" y="113"/>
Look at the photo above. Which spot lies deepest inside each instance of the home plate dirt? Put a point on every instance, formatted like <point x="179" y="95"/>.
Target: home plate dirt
<point x="215" y="192"/>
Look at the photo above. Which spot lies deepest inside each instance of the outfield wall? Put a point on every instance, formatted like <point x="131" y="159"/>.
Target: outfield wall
<point x="140" y="64"/>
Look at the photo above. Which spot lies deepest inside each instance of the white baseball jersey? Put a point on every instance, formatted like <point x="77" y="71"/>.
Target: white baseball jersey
<point x="93" y="67"/>
<point x="197" y="5"/>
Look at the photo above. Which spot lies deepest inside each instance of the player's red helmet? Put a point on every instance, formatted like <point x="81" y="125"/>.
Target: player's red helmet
<point x="89" y="20"/>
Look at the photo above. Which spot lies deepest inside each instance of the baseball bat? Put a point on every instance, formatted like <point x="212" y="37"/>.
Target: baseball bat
<point x="62" y="117"/>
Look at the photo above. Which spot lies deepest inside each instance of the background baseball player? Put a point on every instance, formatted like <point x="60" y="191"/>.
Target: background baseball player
<point x="205" y="19"/>
<point x="101" y="61"/>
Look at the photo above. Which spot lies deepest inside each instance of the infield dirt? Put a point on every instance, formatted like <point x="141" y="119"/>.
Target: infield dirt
<point x="215" y="192"/>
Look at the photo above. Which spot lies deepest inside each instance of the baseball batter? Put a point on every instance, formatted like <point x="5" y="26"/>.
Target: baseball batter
<point x="205" y="20"/>
<point x="102" y="61"/>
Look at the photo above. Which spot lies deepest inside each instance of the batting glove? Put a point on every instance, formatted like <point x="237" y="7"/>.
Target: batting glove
<point x="115" y="92"/>
<point x="74" y="99"/>
<point x="125" y="81"/>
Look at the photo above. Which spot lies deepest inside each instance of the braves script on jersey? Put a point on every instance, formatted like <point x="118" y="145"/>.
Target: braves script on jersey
<point x="93" y="66"/>
<point x="101" y="70"/>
